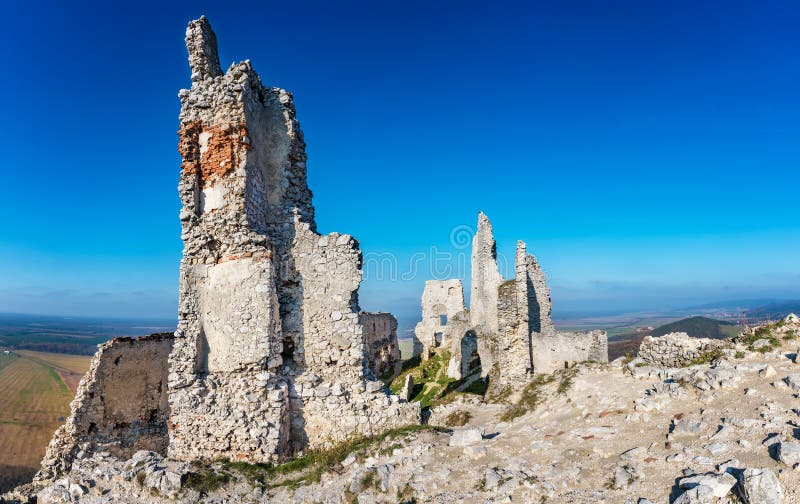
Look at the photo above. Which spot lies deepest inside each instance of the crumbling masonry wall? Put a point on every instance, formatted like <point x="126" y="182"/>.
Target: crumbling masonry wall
<point x="509" y="324"/>
<point x="563" y="349"/>
<point x="120" y="405"/>
<point x="486" y="278"/>
<point x="442" y="300"/>
<point x="675" y="349"/>
<point x="380" y="337"/>
<point x="269" y="356"/>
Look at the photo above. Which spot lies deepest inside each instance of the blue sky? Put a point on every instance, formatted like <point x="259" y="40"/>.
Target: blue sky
<point x="647" y="152"/>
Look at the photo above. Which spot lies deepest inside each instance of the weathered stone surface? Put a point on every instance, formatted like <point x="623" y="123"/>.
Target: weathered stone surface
<point x="442" y="302"/>
<point x="270" y="354"/>
<point x="788" y="453"/>
<point x="380" y="338"/>
<point x="485" y="278"/>
<point x="760" y="486"/>
<point x="120" y="405"/>
<point x="466" y="436"/>
<point x="675" y="349"/>
<point x="555" y="351"/>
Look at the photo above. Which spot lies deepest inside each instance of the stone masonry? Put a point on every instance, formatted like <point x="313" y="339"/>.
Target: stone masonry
<point x="558" y="350"/>
<point x="380" y="336"/>
<point x="675" y="349"/>
<point x="508" y="330"/>
<point x="486" y="278"/>
<point x="269" y="356"/>
<point x="120" y="406"/>
<point x="442" y="300"/>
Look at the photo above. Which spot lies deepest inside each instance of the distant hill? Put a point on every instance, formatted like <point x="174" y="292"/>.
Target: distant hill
<point x="698" y="327"/>
<point x="774" y="310"/>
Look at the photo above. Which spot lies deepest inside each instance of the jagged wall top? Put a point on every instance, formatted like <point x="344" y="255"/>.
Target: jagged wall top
<point x="202" y="45"/>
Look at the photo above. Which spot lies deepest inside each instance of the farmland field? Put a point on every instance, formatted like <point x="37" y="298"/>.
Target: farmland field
<point x="34" y="400"/>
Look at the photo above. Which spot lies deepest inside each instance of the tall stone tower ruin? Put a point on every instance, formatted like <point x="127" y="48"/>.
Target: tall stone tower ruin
<point x="269" y="355"/>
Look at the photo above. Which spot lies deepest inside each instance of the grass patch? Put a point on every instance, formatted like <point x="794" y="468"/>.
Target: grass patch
<point x="315" y="463"/>
<point x="739" y="354"/>
<point x="457" y="418"/>
<point x="530" y="398"/>
<point x="707" y="357"/>
<point x="566" y="379"/>
<point x="206" y="481"/>
<point x="432" y="386"/>
<point x="790" y="335"/>
<point x="764" y="332"/>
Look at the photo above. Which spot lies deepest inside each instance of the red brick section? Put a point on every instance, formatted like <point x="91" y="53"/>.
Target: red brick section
<point x="226" y="145"/>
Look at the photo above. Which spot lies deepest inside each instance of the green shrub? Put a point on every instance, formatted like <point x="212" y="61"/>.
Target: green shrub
<point x="707" y="357"/>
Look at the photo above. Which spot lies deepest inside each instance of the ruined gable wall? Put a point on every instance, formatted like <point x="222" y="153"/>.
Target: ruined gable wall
<point x="269" y="357"/>
<point x="485" y="278"/>
<point x="380" y="336"/>
<point x="120" y="405"/>
<point x="440" y="297"/>
<point x="229" y="342"/>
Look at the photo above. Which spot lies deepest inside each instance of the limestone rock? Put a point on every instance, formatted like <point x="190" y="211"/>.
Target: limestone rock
<point x="760" y="486"/>
<point x="788" y="453"/>
<point x="466" y="436"/>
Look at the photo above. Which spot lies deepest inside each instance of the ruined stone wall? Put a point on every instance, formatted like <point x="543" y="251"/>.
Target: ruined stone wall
<point x="268" y="332"/>
<point x="380" y="336"/>
<point x="486" y="278"/>
<point x="442" y="300"/>
<point x="559" y="350"/>
<point x="675" y="349"/>
<point x="463" y="346"/>
<point x="120" y="405"/>
<point x="539" y="305"/>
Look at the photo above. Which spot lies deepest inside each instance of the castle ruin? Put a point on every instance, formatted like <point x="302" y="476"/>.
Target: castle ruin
<point x="270" y="356"/>
<point x="508" y="331"/>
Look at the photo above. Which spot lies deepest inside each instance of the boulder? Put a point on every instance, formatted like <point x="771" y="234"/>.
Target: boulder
<point x="467" y="436"/>
<point x="760" y="486"/>
<point x="788" y="453"/>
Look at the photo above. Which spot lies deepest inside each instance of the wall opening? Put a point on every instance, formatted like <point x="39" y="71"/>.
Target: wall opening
<point x="201" y="353"/>
<point x="437" y="339"/>
<point x="442" y="320"/>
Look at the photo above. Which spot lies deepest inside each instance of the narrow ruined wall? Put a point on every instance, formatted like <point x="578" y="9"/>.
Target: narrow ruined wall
<point x="120" y="406"/>
<point x="441" y="299"/>
<point x="486" y="278"/>
<point x="559" y="350"/>
<point x="539" y="304"/>
<point x="380" y="337"/>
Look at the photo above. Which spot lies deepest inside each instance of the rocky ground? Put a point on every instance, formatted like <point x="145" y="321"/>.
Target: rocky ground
<point x="725" y="431"/>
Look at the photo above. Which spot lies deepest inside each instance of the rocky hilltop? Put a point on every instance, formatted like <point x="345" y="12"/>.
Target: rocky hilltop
<point x="267" y="391"/>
